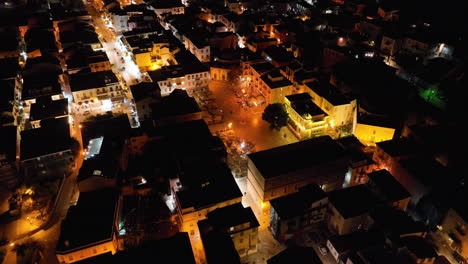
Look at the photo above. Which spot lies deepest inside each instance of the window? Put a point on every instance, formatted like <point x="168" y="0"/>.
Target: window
<point x="70" y="257"/>
<point x="94" y="251"/>
<point x="241" y="240"/>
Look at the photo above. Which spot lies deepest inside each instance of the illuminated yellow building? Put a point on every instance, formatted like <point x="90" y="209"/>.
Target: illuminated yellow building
<point x="306" y="120"/>
<point x="371" y="134"/>
<point x="341" y="109"/>
<point x="274" y="86"/>
<point x="149" y="53"/>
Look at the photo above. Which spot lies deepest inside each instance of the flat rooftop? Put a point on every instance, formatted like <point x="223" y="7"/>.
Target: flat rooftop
<point x="352" y="201"/>
<point x="297" y="156"/>
<point x="48" y="109"/>
<point x="52" y="137"/>
<point x="297" y="203"/>
<point x="91" y="220"/>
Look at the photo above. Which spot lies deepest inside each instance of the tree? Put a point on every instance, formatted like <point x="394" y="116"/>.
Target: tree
<point x="276" y="115"/>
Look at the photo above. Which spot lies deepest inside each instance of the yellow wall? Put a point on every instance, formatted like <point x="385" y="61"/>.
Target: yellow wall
<point x="369" y="135"/>
<point x="109" y="246"/>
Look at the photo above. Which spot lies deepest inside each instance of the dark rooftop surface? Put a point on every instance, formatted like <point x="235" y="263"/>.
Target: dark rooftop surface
<point x="9" y="67"/>
<point x="399" y="147"/>
<point x="91" y="220"/>
<point x="419" y="246"/>
<point x="39" y="84"/>
<point x="274" y="79"/>
<point x="219" y="247"/>
<point x="296" y="255"/>
<point x="231" y="216"/>
<point x="352" y="201"/>
<point x="115" y="128"/>
<point x="37" y="38"/>
<point x="144" y="90"/>
<point x="53" y="136"/>
<point x="297" y="203"/>
<point x="105" y="163"/>
<point x="381" y="255"/>
<point x="7" y="93"/>
<point x="176" y="248"/>
<point x="44" y="109"/>
<point x="356" y="240"/>
<point x="388" y="186"/>
<point x="427" y="170"/>
<point x="350" y="142"/>
<point x="91" y="80"/>
<point x="395" y="222"/>
<point x="206" y="183"/>
<point x="9" y="40"/>
<point x="176" y="104"/>
<point x="263" y="67"/>
<point x="303" y="105"/>
<point x="297" y="156"/>
<point x="328" y="91"/>
<point x="196" y="144"/>
<point x="8" y="142"/>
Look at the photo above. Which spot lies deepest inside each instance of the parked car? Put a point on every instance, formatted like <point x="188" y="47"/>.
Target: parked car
<point x="323" y="250"/>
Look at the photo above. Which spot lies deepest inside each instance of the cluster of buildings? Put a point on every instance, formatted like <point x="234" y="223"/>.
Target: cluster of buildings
<point x="365" y="89"/>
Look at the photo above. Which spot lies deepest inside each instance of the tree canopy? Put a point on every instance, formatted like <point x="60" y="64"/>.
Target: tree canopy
<point x="276" y="115"/>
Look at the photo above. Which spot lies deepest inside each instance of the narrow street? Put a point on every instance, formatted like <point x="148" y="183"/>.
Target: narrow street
<point x="267" y="245"/>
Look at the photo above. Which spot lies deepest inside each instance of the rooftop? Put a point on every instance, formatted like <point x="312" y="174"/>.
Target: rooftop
<point x="419" y="246"/>
<point x="52" y="137"/>
<point x="39" y="84"/>
<point x="352" y="201"/>
<point x="274" y="79"/>
<point x="219" y="247"/>
<point x="303" y="105"/>
<point x="399" y="147"/>
<point x="427" y="170"/>
<point x="90" y="221"/>
<point x="115" y="128"/>
<point x="177" y="248"/>
<point x="231" y="216"/>
<point x="297" y="156"/>
<point x="263" y="67"/>
<point x="47" y="108"/>
<point x="396" y="222"/>
<point x="205" y="185"/>
<point x="176" y="104"/>
<point x="9" y="68"/>
<point x="356" y="241"/>
<point x="144" y="90"/>
<point x="91" y="80"/>
<point x="7" y="93"/>
<point x="328" y="91"/>
<point x="297" y="203"/>
<point x="388" y="186"/>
